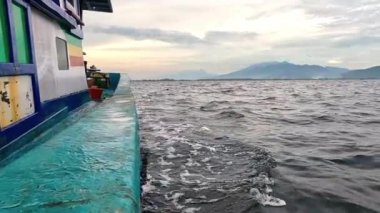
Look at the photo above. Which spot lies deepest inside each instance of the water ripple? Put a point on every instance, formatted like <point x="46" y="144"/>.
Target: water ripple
<point x="240" y="146"/>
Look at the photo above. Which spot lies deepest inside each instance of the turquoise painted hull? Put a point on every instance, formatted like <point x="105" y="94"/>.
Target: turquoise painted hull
<point x="89" y="162"/>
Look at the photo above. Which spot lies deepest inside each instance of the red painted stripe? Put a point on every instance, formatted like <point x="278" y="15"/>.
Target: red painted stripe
<point x="76" y="61"/>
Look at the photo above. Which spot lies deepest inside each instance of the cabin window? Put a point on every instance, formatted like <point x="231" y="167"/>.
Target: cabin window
<point x="63" y="61"/>
<point x="4" y="35"/>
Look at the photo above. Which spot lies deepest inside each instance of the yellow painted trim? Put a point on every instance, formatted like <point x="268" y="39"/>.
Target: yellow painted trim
<point x="14" y="101"/>
<point x="3" y="122"/>
<point x="75" y="50"/>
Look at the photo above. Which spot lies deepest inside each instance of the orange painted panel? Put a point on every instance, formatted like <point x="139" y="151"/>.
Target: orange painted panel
<point x="76" y="61"/>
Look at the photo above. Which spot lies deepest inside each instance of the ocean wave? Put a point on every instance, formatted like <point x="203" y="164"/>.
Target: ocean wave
<point x="360" y="161"/>
<point x="206" y="146"/>
<point x="230" y="114"/>
<point x="214" y="106"/>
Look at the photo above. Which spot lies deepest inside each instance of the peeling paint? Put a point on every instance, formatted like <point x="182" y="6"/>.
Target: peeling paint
<point x="4" y="95"/>
<point x="17" y="101"/>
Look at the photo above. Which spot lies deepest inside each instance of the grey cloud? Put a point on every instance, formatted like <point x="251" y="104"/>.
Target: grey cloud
<point x="177" y="37"/>
<point x="300" y="43"/>
<point x="325" y="40"/>
<point x="259" y="15"/>
<point x="136" y="49"/>
<point x="265" y="13"/>
<point x="372" y="29"/>
<point x="335" y="4"/>
<point x="213" y="36"/>
<point x="358" y="41"/>
<point x="332" y="41"/>
<point x="140" y="34"/>
<point x="344" y="13"/>
<point x="348" y="24"/>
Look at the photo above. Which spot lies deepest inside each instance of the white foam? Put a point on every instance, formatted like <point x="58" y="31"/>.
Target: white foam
<point x="268" y="190"/>
<point x="147" y="187"/>
<point x="266" y="199"/>
<point x="200" y="146"/>
<point x="164" y="182"/>
<point x="209" y="168"/>
<point x="170" y="153"/>
<point x="205" y="160"/>
<point x="212" y="149"/>
<point x="166" y="170"/>
<point x="213" y="200"/>
<point x="263" y="178"/>
<point x="171" y="156"/>
<point x="175" y="198"/>
<point x="171" y="149"/>
<point x="191" y="210"/>
<point x="190" y="162"/>
<point x="185" y="174"/>
<point x="162" y="162"/>
<point x="201" y="188"/>
<point x="205" y="129"/>
<point x="196" y="146"/>
<point x="166" y="176"/>
<point x="194" y="152"/>
<point x="191" y="201"/>
<point x="177" y="195"/>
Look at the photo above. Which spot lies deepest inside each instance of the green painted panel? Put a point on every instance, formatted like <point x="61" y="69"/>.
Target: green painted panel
<point x="4" y="41"/>
<point x="22" y="38"/>
<point x="73" y="40"/>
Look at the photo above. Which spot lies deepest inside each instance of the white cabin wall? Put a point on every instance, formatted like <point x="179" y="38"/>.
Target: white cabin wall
<point x="54" y="83"/>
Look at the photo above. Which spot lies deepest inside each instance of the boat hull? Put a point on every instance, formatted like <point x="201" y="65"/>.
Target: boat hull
<point x="89" y="161"/>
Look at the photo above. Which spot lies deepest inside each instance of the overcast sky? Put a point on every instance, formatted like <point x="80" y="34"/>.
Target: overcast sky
<point x="149" y="37"/>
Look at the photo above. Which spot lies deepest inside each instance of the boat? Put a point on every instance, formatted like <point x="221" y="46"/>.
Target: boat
<point x="59" y="120"/>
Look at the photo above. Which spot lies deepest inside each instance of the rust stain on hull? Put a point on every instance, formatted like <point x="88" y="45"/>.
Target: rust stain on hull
<point x="16" y="99"/>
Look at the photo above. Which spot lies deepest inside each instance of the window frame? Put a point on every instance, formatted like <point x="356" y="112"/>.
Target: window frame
<point x="72" y="6"/>
<point x="67" y="63"/>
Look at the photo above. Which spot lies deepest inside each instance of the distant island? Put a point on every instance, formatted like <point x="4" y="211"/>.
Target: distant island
<point x="370" y="73"/>
<point x="281" y="70"/>
<point x="190" y="75"/>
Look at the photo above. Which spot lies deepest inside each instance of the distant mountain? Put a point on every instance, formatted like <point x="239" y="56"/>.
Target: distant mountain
<point x="189" y="75"/>
<point x="280" y="70"/>
<point x="285" y="70"/>
<point x="370" y="73"/>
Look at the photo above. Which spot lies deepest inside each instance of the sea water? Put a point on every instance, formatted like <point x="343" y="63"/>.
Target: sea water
<point x="260" y="146"/>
